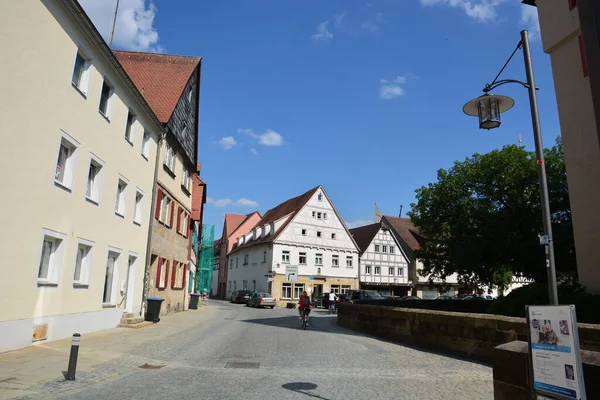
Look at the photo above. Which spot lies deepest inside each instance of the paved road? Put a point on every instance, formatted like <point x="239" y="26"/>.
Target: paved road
<point x="246" y="353"/>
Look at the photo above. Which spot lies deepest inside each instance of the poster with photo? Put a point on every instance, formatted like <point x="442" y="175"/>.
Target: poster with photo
<point x="554" y="351"/>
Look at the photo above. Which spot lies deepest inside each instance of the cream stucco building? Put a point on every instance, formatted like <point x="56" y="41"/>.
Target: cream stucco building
<point x="571" y="35"/>
<point x="79" y="155"/>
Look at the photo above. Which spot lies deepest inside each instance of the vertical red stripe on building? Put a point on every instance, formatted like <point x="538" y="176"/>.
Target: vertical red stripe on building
<point x="159" y="196"/>
<point x="174" y="274"/>
<point x="584" y="65"/>
<point x="572" y="4"/>
<point x="179" y="211"/>
<point x="172" y="213"/>
<point x="184" y="279"/>
<point x="158" y="271"/>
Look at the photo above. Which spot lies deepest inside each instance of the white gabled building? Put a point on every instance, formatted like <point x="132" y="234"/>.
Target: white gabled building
<point x="306" y="232"/>
<point x="383" y="264"/>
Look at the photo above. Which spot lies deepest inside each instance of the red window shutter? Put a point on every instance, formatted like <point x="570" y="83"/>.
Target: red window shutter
<point x="174" y="274"/>
<point x="572" y="4"/>
<point x="172" y="214"/>
<point x="179" y="211"/>
<point x="159" y="197"/>
<point x="167" y="262"/>
<point x="184" y="279"/>
<point x="584" y="65"/>
<point x="158" y="271"/>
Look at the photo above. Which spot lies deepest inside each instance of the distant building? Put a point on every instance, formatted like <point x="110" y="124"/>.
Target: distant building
<point x="383" y="265"/>
<point x="571" y="36"/>
<point x="79" y="153"/>
<point x="171" y="86"/>
<point x="305" y="234"/>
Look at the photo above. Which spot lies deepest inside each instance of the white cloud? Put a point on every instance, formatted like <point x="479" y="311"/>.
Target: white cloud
<point x="134" y="29"/>
<point x="323" y="33"/>
<point x="338" y="19"/>
<point x="530" y="21"/>
<point x="218" y="203"/>
<point x="357" y="223"/>
<point x="243" y="202"/>
<point x="253" y="151"/>
<point x="373" y="23"/>
<point x="392" y="89"/>
<point x="479" y="10"/>
<point x="268" y="138"/>
<point x="227" y="142"/>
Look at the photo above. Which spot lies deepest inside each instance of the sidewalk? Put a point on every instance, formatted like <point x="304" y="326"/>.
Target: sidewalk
<point x="28" y="367"/>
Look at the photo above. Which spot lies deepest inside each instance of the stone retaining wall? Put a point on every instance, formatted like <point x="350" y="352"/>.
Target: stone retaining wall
<point x="466" y="335"/>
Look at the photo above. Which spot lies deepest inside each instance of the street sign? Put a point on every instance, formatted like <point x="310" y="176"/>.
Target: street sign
<point x="291" y="273"/>
<point x="555" y="356"/>
<point x="312" y="277"/>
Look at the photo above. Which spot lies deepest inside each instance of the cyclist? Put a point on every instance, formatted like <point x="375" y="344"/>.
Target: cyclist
<point x="332" y="298"/>
<point x="304" y="306"/>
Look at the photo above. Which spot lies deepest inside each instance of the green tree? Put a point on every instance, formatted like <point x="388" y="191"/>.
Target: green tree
<point x="482" y="219"/>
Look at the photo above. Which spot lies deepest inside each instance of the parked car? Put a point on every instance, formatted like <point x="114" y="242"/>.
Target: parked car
<point x="240" y="296"/>
<point x="260" y="299"/>
<point x="445" y="297"/>
<point x="474" y="297"/>
<point x="411" y="298"/>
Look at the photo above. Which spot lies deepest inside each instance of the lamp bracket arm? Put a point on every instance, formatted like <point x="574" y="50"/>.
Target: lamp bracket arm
<point x="489" y="87"/>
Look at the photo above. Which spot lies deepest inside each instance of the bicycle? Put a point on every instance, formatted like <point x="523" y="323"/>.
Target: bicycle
<point x="305" y="319"/>
<point x="332" y="308"/>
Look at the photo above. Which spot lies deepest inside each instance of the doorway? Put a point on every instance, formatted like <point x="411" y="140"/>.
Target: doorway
<point x="130" y="284"/>
<point x="318" y="290"/>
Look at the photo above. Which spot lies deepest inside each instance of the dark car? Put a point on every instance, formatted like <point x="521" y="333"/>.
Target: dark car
<point x="240" y="296"/>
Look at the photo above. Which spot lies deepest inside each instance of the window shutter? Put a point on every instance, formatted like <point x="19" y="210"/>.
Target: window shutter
<point x="179" y="211"/>
<point x="158" y="272"/>
<point x="167" y="262"/>
<point x="583" y="56"/>
<point x="172" y="213"/>
<point x="159" y="196"/>
<point x="184" y="278"/>
<point x="572" y="4"/>
<point x="174" y="274"/>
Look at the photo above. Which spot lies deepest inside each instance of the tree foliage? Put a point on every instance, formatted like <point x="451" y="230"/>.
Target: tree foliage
<point x="482" y="219"/>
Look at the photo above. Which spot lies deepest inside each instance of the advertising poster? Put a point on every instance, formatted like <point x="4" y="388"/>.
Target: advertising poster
<point x="554" y="351"/>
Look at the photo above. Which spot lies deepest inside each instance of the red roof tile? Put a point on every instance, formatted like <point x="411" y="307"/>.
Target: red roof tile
<point x="363" y="235"/>
<point x="232" y="221"/>
<point x="161" y="78"/>
<point x="405" y="228"/>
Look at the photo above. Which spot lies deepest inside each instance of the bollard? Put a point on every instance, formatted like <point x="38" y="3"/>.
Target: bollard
<point x="73" y="357"/>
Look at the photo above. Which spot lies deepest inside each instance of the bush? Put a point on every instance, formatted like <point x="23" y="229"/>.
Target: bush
<point x="586" y="305"/>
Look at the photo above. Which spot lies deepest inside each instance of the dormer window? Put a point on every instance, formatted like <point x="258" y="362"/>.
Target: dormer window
<point x="272" y="228"/>
<point x="320" y="197"/>
<point x="262" y="231"/>
<point x="254" y="235"/>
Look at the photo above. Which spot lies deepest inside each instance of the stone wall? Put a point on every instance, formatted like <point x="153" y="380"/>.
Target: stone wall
<point x="466" y="335"/>
<point x="511" y="373"/>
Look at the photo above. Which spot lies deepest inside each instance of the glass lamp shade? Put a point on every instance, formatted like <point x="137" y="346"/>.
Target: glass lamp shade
<point x="488" y="109"/>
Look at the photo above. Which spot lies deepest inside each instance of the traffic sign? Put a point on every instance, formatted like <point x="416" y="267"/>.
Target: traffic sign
<point x="312" y="277"/>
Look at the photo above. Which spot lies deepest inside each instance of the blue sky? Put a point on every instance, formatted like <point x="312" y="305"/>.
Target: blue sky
<point x="364" y="98"/>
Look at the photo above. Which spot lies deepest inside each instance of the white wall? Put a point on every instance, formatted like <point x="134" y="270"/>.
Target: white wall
<point x="383" y="260"/>
<point x="256" y="269"/>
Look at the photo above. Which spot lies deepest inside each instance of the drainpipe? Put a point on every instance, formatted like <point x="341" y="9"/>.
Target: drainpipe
<point x="147" y="268"/>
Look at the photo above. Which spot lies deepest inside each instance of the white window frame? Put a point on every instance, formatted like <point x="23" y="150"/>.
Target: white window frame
<point x="186" y="180"/>
<point x="246" y="259"/>
<point x="400" y="271"/>
<point x="349" y="262"/>
<point x="392" y="249"/>
<point x="181" y="269"/>
<point x="139" y="205"/>
<point x="298" y="289"/>
<point x="324" y="215"/>
<point x="368" y="269"/>
<point x="384" y="248"/>
<point x="244" y="284"/>
<point x="121" y="199"/>
<point x="392" y="271"/>
<point x="346" y="288"/>
<point x="55" y="259"/>
<point x="185" y="217"/>
<point x="71" y="162"/>
<point x="86" y="264"/>
<point x="335" y="261"/>
<point x="115" y="277"/>
<point x="94" y="196"/>
<point x="130" y="129"/>
<point x="285" y="256"/>
<point x="109" y="102"/>
<point x="300" y="255"/>
<point x="318" y="259"/>
<point x="146" y="145"/>
<point x="169" y="160"/>
<point x="303" y="232"/>
<point x="83" y="86"/>
<point x="314" y="214"/>
<point x="320" y="197"/>
<point x="377" y="270"/>
<point x="264" y="257"/>
<point x="335" y="289"/>
<point x="319" y="215"/>
<point x="377" y="247"/>
<point x="285" y="293"/>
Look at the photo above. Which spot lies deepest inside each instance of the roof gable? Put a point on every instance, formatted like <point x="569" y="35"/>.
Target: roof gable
<point x="161" y="78"/>
<point x="364" y="235"/>
<point x="232" y="221"/>
<point x="406" y="230"/>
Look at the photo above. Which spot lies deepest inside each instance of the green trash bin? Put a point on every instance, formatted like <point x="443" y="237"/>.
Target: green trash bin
<point x="153" y="310"/>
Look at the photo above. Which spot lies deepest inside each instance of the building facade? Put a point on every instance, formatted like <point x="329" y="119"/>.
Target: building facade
<point x="196" y="218"/>
<point x="80" y="209"/>
<point x="383" y="266"/>
<point x="171" y="86"/>
<point x="305" y="234"/>
<point x="570" y="32"/>
<point x="234" y="226"/>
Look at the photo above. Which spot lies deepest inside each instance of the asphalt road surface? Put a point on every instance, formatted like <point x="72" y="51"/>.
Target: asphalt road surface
<point x="238" y="352"/>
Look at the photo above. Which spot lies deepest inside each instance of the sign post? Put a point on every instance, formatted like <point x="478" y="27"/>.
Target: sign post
<point x="554" y="353"/>
<point x="291" y="273"/>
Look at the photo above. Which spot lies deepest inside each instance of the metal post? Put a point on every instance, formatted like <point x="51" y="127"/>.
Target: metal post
<point x="539" y="150"/>
<point x="73" y="357"/>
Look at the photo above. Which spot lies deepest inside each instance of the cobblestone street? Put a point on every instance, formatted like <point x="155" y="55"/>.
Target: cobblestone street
<point x="227" y="351"/>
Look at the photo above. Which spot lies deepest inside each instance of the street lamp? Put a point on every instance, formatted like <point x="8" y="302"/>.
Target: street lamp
<point x="488" y="109"/>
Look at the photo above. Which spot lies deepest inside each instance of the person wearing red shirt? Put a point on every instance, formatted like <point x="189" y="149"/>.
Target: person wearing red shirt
<point x="304" y="305"/>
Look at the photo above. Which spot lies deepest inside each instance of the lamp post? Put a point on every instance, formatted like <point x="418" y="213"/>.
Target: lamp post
<point x="488" y="108"/>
